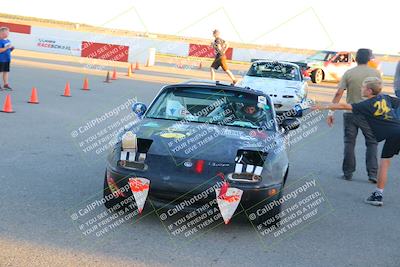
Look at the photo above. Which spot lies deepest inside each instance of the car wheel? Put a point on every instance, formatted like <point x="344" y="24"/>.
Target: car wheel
<point x="111" y="203"/>
<point x="317" y="76"/>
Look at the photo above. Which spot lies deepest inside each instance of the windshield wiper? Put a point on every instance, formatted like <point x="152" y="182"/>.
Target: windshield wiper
<point x="242" y="126"/>
<point x="159" y="118"/>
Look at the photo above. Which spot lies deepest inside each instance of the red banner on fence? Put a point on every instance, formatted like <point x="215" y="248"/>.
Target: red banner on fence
<point x="19" y="28"/>
<point x="105" y="51"/>
<point x="198" y="50"/>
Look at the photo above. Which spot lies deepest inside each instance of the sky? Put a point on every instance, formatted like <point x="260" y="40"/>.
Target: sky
<point x="308" y="24"/>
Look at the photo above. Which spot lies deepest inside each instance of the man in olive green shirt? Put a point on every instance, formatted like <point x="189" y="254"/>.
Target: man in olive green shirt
<point x="352" y="82"/>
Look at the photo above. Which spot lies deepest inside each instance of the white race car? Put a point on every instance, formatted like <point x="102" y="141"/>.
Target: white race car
<point x="282" y="81"/>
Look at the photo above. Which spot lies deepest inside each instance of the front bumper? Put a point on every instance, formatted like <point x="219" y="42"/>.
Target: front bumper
<point x="166" y="195"/>
<point x="284" y="106"/>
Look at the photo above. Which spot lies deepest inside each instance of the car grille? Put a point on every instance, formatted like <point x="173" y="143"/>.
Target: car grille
<point x="132" y="165"/>
<point x="244" y="177"/>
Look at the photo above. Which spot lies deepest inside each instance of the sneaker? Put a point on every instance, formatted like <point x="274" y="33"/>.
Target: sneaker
<point x="375" y="199"/>
<point x="372" y="179"/>
<point x="347" y="177"/>
<point x="7" y="87"/>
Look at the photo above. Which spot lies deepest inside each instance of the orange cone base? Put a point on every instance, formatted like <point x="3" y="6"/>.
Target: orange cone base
<point x="7" y="108"/>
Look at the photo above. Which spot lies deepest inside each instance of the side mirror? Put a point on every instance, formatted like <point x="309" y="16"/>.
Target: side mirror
<point x="299" y="111"/>
<point x="290" y="124"/>
<point x="139" y="109"/>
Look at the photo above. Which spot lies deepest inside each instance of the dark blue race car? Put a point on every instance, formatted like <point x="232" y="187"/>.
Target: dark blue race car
<point x="194" y="136"/>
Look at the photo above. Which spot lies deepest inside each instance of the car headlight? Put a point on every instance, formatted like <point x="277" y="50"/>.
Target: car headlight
<point x="129" y="141"/>
<point x="298" y="92"/>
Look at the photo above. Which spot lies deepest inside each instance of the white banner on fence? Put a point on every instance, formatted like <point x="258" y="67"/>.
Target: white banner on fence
<point x="46" y="44"/>
<point x="138" y="46"/>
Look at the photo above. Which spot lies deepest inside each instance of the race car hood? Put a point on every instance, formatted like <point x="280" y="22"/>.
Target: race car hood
<point x="199" y="140"/>
<point x="173" y="163"/>
<point x="271" y="86"/>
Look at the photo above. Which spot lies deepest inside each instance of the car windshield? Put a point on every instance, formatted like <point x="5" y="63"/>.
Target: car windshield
<point x="214" y="106"/>
<point x="322" y="56"/>
<point x="274" y="70"/>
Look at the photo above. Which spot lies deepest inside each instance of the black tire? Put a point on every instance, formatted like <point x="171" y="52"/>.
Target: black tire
<point x="113" y="202"/>
<point x="317" y="76"/>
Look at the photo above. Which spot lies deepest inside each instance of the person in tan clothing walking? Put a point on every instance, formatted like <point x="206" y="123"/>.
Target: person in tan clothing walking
<point x="352" y="83"/>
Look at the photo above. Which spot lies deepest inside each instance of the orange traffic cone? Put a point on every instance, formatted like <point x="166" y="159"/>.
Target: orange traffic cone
<point x="34" y="97"/>
<point x="137" y="66"/>
<point x="86" y="84"/>
<point x="114" y="75"/>
<point x="107" y="77"/>
<point x="67" y="90"/>
<point x="7" y="108"/>
<point x="129" y="71"/>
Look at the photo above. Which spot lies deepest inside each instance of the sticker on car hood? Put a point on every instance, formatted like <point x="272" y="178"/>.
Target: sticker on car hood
<point x="218" y="164"/>
<point x="151" y="124"/>
<point x="178" y="127"/>
<point x="173" y="135"/>
<point x="262" y="99"/>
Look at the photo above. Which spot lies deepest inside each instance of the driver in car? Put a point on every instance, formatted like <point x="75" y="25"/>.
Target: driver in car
<point x="250" y="112"/>
<point x="342" y="59"/>
<point x="250" y="109"/>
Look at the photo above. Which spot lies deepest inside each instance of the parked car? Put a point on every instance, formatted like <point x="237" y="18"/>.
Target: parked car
<point x="282" y="81"/>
